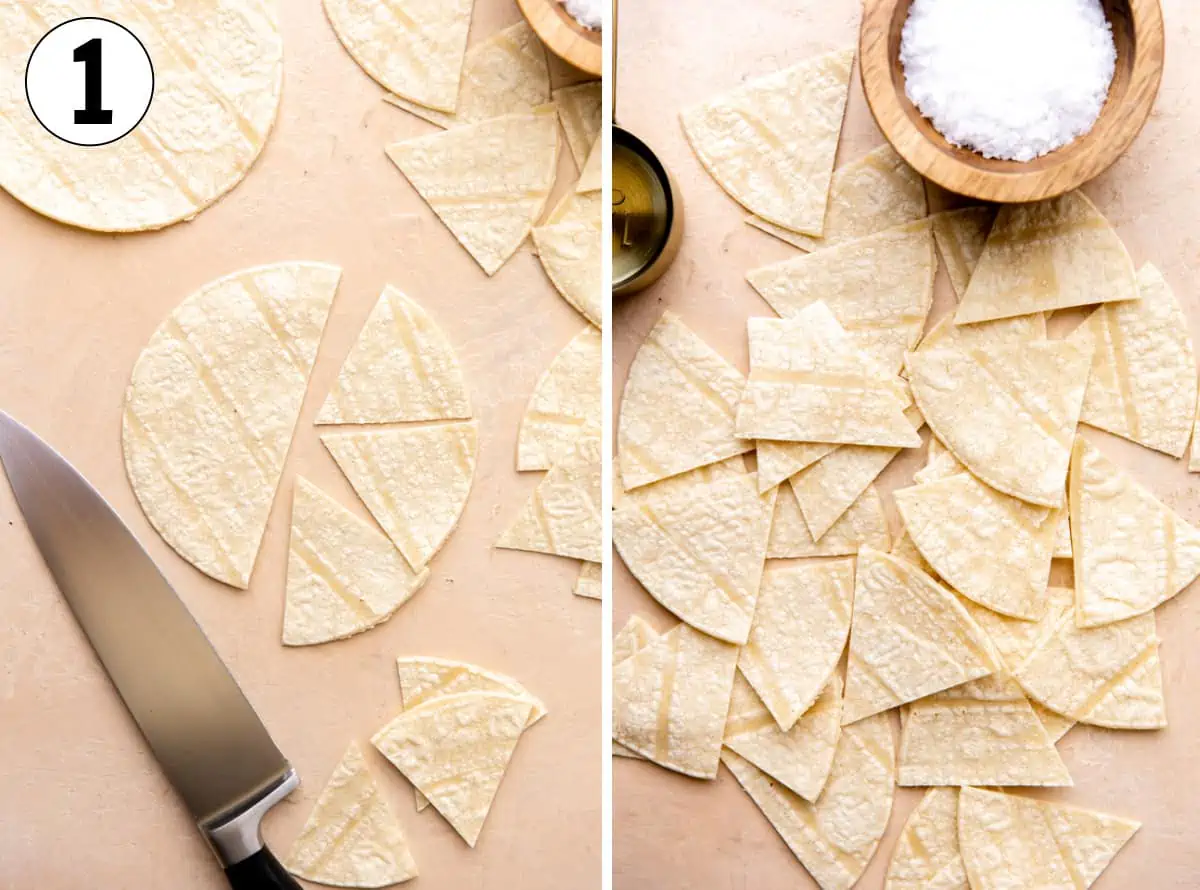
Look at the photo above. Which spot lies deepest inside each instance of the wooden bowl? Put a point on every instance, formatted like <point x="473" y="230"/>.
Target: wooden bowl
<point x="1138" y="34"/>
<point x="565" y="37"/>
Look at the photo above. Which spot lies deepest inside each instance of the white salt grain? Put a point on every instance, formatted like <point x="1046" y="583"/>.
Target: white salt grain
<point x="1011" y="79"/>
<point x="589" y="13"/>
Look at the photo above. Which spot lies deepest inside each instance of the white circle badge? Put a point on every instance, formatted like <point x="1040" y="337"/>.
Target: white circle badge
<point x="89" y="81"/>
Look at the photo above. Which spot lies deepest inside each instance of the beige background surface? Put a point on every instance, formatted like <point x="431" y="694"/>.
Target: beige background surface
<point x="81" y="801"/>
<point x="673" y="832"/>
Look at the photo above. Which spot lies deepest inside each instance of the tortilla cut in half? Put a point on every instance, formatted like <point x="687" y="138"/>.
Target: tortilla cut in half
<point x="879" y="288"/>
<point x="212" y="406"/>
<point x="961" y="235"/>
<point x="488" y="182"/>
<point x="910" y="637"/>
<point x="678" y="408"/>
<point x="636" y="635"/>
<point x="565" y="403"/>
<point x="670" y="700"/>
<point x="1009" y="415"/>
<point x="414" y="480"/>
<point x="352" y="838"/>
<point x="503" y="74"/>
<point x="579" y="109"/>
<point x="778" y="461"/>
<point x="875" y="192"/>
<point x="836" y="837"/>
<point x="1047" y="255"/>
<point x="455" y="750"/>
<point x="402" y="368"/>
<point x="412" y="48"/>
<point x="863" y="525"/>
<point x="770" y="143"/>
<point x="987" y="336"/>
<point x="589" y="584"/>
<point x="1010" y="841"/>
<point x="570" y="249"/>
<point x="809" y="383"/>
<point x="926" y="854"/>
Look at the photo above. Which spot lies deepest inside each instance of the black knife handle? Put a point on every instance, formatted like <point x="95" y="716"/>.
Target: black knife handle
<point x="261" y="871"/>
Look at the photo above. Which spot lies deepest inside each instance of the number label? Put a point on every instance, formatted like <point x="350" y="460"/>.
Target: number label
<point x="91" y="54"/>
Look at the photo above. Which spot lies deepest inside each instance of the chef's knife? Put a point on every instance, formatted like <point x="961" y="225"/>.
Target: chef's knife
<point x="205" y="735"/>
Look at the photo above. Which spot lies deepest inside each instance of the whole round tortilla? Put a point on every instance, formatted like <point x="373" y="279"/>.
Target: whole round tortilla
<point x="218" y="75"/>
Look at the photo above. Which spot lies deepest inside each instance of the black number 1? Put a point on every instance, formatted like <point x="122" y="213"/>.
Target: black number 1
<point x="91" y="113"/>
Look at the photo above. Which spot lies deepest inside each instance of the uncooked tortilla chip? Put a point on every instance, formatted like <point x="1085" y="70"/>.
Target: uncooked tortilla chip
<point x="488" y="182"/>
<point x="678" y="408"/>
<point x="570" y="248"/>
<point x="590" y="582"/>
<point x="636" y="635"/>
<point x="402" y="368"/>
<point x="770" y="143"/>
<point x="413" y="48"/>
<point x="591" y="178"/>
<point x="414" y="480"/>
<point x="1047" y="255"/>
<point x="579" y="108"/>
<point x="670" y="700"/>
<point x="1009" y="841"/>
<point x="562" y="516"/>
<point x="730" y="468"/>
<point x="455" y="750"/>
<point x="910" y="638"/>
<point x="777" y="461"/>
<point x="699" y="550"/>
<point x="926" y="855"/>
<point x="212" y="405"/>
<point x="988" y="336"/>
<point x="961" y="235"/>
<point x="1131" y="551"/>
<point x="565" y="403"/>
<point x="1056" y="725"/>
<point x="352" y="838"/>
<point x="836" y="837"/>
<point x="864" y="524"/>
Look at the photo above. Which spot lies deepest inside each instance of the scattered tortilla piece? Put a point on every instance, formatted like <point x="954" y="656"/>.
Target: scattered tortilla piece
<point x="1047" y="255"/>
<point x="836" y="837"/>
<point x="1056" y="725"/>
<point x="863" y="525"/>
<point x="678" y="408"/>
<point x="1009" y="841"/>
<point x="565" y="403"/>
<point x="352" y="838"/>
<point x="414" y="480"/>
<point x="910" y="637"/>
<point x="590" y="583"/>
<point x="579" y="108"/>
<point x="961" y="235"/>
<point x="488" y="182"/>
<point x="636" y="635"/>
<point x="730" y="468"/>
<point x="988" y="336"/>
<point x="926" y="855"/>
<point x="800" y="628"/>
<point x="212" y="406"/>
<point x="770" y="143"/>
<point x="570" y="249"/>
<point x="777" y="461"/>
<point x="670" y="700"/>
<point x="402" y="368"/>
<point x="591" y="177"/>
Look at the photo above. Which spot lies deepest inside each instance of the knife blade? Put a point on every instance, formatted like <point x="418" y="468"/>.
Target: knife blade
<point x="205" y="735"/>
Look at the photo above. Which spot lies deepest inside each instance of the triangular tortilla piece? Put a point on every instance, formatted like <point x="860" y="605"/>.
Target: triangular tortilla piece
<point x="863" y="525"/>
<point x="926" y="855"/>
<point x="836" y="837"/>
<point x="212" y="406"/>
<point x="670" y="700"/>
<point x="988" y="336"/>
<point x="562" y="516"/>
<point x="1142" y="384"/>
<point x="980" y="733"/>
<point x="730" y="468"/>
<point x="1047" y="255"/>
<point x="777" y="461"/>
<point x="875" y="192"/>
<point x="352" y="838"/>
<point x="961" y="235"/>
<point x="488" y="182"/>
<point x="699" y="550"/>
<point x="590" y="581"/>
<point x="402" y="368"/>
<point x="636" y="635"/>
<point x="1009" y="841"/>
<point x="879" y="288"/>
<point x="591" y="176"/>
<point x="579" y="108"/>
<point x="799" y="758"/>
<point x="414" y="480"/>
<point x="1056" y="725"/>
<point x="809" y="383"/>
<point x="455" y="750"/>
<point x="503" y="74"/>
<point x="1131" y="551"/>
<point x="800" y="628"/>
<point x="571" y="251"/>
<point x="678" y="408"/>
<point x="343" y="576"/>
<point x="770" y="143"/>
<point x="1009" y="414"/>
<point x="910" y="637"/>
<point x="565" y="402"/>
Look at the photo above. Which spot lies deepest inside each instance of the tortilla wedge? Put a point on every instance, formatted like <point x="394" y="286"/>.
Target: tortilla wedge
<point x="961" y="235"/>
<point x="590" y="582"/>
<point x="636" y="635"/>
<point x="863" y="525"/>
<point x="777" y="461"/>
<point x="926" y="855"/>
<point x="591" y="178"/>
<point x="580" y="112"/>
<point x="565" y="403"/>
<point x="569" y="246"/>
<point x="988" y="336"/>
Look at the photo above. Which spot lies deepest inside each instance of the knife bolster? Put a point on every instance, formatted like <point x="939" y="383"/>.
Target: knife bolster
<point x="237" y="837"/>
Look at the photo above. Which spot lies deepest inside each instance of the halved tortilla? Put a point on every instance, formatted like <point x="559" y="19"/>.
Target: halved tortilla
<point x="670" y="700"/>
<point x="565" y="403"/>
<point x="988" y="335"/>
<point x="926" y="856"/>
<point x="352" y="838"/>
<point x="590" y="582"/>
<point x="1047" y="255"/>
<point x="910" y="637"/>
<point x="414" y="480"/>
<point x="863" y="525"/>
<point x="678" y="407"/>
<point x="212" y="406"/>
<point x="343" y="576"/>
<point x="579" y="108"/>
<point x="488" y="181"/>
<point x="402" y="368"/>
<point x="800" y="628"/>
<point x="455" y="750"/>
<point x="779" y="460"/>
<point x="770" y="143"/>
<point x="591" y="177"/>
<point x="1009" y="841"/>
<point x="836" y="837"/>
<point x="961" y="235"/>
<point x="570" y="248"/>
<point x="636" y="635"/>
<point x="1131" y="551"/>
